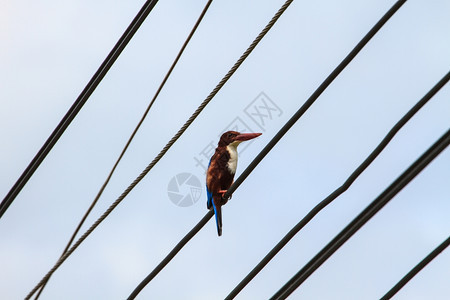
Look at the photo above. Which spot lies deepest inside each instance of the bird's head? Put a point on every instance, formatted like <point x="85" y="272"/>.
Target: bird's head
<point x="234" y="138"/>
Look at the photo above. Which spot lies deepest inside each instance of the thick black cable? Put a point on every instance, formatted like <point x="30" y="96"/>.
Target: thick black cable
<point x="166" y="148"/>
<point x="314" y="97"/>
<point x="78" y="104"/>
<point x="209" y="214"/>
<point x="141" y="121"/>
<point x="172" y="254"/>
<point x="275" y="139"/>
<point x="336" y="193"/>
<point x="390" y="192"/>
<point x="416" y="269"/>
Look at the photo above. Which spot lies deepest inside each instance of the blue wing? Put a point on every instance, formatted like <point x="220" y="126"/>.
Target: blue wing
<point x="217" y="210"/>
<point x="209" y="204"/>
<point x="210" y="198"/>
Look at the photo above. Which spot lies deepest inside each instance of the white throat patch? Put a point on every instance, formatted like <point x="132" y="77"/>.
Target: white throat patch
<point x="232" y="163"/>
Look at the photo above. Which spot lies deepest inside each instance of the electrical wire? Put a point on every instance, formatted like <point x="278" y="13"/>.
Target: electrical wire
<point x="166" y="147"/>
<point x="364" y="216"/>
<point x="171" y="254"/>
<point x="416" y="269"/>
<point x="272" y="143"/>
<point x="166" y="77"/>
<point x="336" y="193"/>
<point x="314" y="97"/>
<point x="77" y="105"/>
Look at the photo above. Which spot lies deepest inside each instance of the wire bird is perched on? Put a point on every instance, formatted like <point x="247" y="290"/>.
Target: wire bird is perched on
<point x="221" y="170"/>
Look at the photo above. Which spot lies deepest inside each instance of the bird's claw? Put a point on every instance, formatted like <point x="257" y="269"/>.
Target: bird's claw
<point x="224" y="200"/>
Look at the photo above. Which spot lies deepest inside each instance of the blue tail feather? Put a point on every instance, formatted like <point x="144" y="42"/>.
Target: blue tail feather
<point x="217" y="210"/>
<point x="218" y="214"/>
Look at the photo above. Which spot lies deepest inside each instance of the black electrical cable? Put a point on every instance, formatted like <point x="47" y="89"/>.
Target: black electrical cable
<point x="314" y="96"/>
<point x="77" y="105"/>
<point x="141" y="121"/>
<point x="209" y="214"/>
<point x="336" y="193"/>
<point x="166" y="148"/>
<point x="364" y="216"/>
<point x="171" y="254"/>
<point x="273" y="142"/>
<point x="416" y="269"/>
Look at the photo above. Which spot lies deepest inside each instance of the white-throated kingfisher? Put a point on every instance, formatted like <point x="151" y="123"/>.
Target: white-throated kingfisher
<point x="221" y="170"/>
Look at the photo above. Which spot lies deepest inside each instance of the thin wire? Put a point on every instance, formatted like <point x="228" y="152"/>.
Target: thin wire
<point x="364" y="216"/>
<point x="336" y="193"/>
<point x="209" y="214"/>
<point x="314" y="97"/>
<point x="94" y="202"/>
<point x="272" y="143"/>
<point x="416" y="269"/>
<point x="165" y="149"/>
<point x="77" y="105"/>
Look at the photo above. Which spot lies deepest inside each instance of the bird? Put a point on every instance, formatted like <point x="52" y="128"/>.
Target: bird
<point x="221" y="171"/>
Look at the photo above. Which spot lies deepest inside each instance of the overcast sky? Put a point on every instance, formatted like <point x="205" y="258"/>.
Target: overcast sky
<point x="50" y="50"/>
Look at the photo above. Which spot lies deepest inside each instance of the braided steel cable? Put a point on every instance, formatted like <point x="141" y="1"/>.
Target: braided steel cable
<point x="78" y="104"/>
<point x="166" y="147"/>
<point x="100" y="192"/>
<point x="271" y="144"/>
<point x="314" y="96"/>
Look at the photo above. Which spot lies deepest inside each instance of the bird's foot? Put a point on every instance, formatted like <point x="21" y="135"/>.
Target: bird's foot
<point x="224" y="201"/>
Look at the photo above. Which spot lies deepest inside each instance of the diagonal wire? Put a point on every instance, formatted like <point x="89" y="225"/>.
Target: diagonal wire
<point x="389" y="193"/>
<point x="78" y="104"/>
<point x="336" y="193"/>
<point x="166" y="147"/>
<point x="416" y="269"/>
<point x="171" y="254"/>
<point x="94" y="202"/>
<point x="271" y="144"/>
<point x="314" y="96"/>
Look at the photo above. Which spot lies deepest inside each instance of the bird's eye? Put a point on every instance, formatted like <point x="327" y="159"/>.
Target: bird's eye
<point x="230" y="135"/>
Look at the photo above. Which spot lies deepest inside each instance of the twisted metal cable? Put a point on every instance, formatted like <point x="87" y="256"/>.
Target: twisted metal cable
<point x="323" y="86"/>
<point x="166" y="148"/>
<point x="78" y="104"/>
<point x="269" y="147"/>
<point x="100" y="192"/>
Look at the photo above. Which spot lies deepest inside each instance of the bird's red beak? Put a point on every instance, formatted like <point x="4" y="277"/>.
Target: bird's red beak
<point x="246" y="136"/>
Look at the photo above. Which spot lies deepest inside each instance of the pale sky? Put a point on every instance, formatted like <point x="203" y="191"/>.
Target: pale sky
<point x="51" y="49"/>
